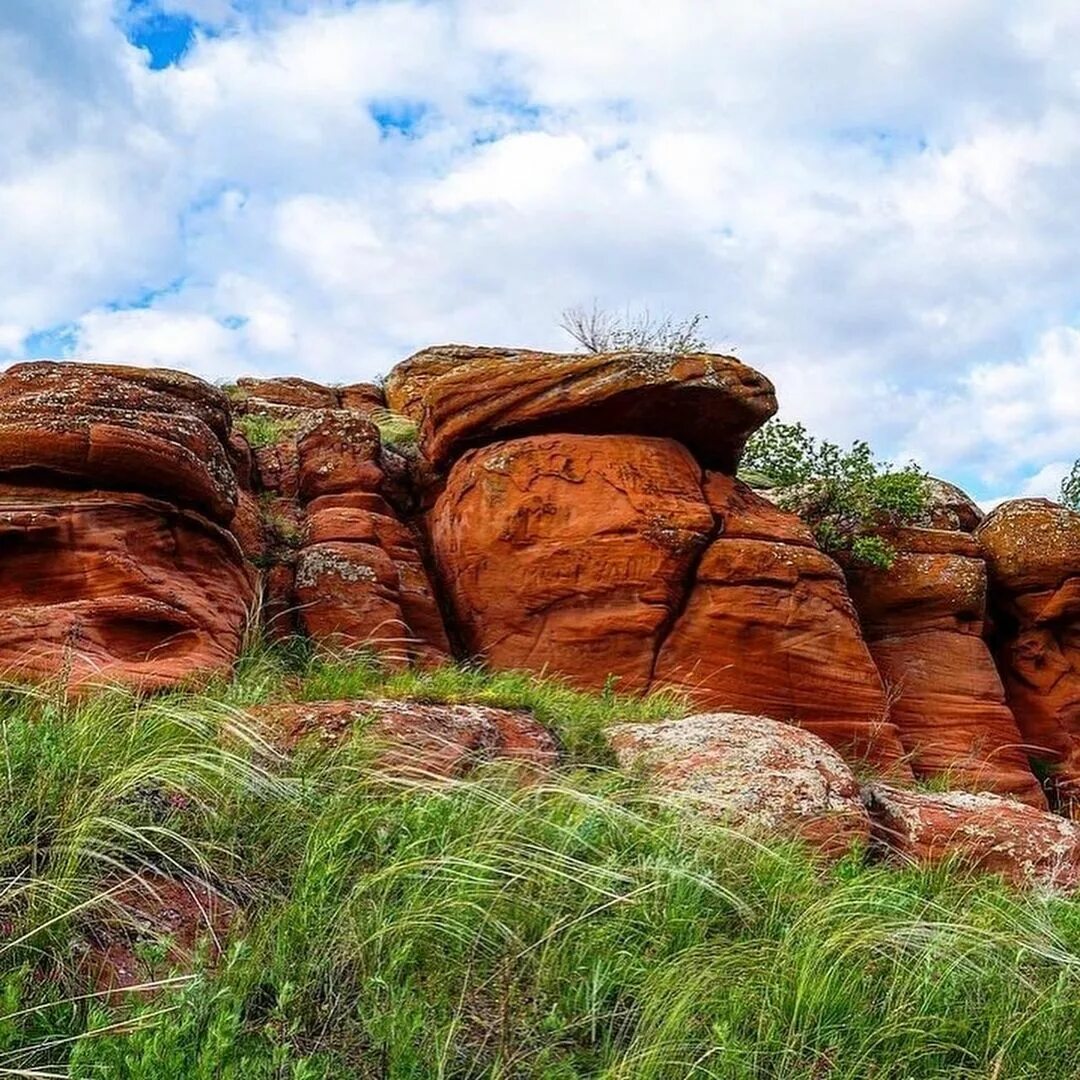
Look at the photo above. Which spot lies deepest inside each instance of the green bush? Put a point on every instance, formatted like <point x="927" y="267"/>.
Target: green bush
<point x="846" y="496"/>
<point x="262" y="429"/>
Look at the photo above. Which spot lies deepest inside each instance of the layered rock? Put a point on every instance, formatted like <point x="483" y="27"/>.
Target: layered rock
<point x="464" y="396"/>
<point x="924" y="620"/>
<point x="754" y="774"/>
<point x="99" y="580"/>
<point x="1032" y="548"/>
<point x="338" y="562"/>
<point x="766" y="626"/>
<point x="286" y="395"/>
<point x="983" y="831"/>
<point x="605" y="556"/>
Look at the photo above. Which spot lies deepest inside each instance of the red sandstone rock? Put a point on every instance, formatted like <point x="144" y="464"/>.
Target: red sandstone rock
<point x="153" y="909"/>
<point x="362" y="398"/>
<point x="767" y="627"/>
<point x="116" y="587"/>
<point x="348" y="596"/>
<point x="463" y="396"/>
<point x="569" y="553"/>
<point x="298" y="393"/>
<point x="1033" y="552"/>
<point x="417" y="739"/>
<point x="337" y="451"/>
<point x="753" y="773"/>
<point x="924" y="619"/>
<point x="585" y="556"/>
<point x="159" y="433"/>
<point x="419" y="612"/>
<point x="984" y="831"/>
<point x="950" y="508"/>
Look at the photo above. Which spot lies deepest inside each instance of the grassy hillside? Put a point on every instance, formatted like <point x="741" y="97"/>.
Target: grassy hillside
<point x="481" y="928"/>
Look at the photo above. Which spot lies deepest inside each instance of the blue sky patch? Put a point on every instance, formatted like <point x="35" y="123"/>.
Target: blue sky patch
<point x="56" y="342"/>
<point x="167" y="36"/>
<point x="400" y="116"/>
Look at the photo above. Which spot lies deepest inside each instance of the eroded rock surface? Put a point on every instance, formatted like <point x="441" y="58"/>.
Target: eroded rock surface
<point x="338" y="563"/>
<point x="752" y="773"/>
<point x="600" y="556"/>
<point x="983" y="831"/>
<point x="924" y="620"/>
<point x="98" y="580"/>
<point x="463" y="395"/>
<point x="1033" y="550"/>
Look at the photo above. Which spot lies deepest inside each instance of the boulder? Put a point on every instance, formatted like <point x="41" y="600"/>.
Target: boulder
<point x="924" y="620"/>
<point x="337" y="451"/>
<point x="1032" y="548"/>
<point x="186" y="915"/>
<point x="983" y="831"/>
<point x="363" y="398"/>
<point x="116" y="587"/>
<point x="949" y="507"/>
<point x="464" y="396"/>
<point x="602" y="556"/>
<point x="416" y="739"/>
<point x="752" y="773"/>
<point x="766" y="627"/>
<point x="570" y="553"/>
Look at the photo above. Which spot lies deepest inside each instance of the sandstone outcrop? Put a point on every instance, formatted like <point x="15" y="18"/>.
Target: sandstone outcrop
<point x="417" y="739"/>
<point x="924" y="620"/>
<point x="1033" y="550"/>
<point x="338" y="562"/>
<point x="983" y="831"/>
<point x="285" y="396"/>
<point x="463" y="396"/>
<point x="754" y="774"/>
<point x="99" y="580"/>
<point x="600" y="556"/>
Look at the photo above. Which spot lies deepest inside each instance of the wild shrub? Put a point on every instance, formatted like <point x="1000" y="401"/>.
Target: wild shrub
<point x="846" y="496"/>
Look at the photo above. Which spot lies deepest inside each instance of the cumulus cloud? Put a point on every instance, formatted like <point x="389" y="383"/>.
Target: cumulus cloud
<point x="871" y="202"/>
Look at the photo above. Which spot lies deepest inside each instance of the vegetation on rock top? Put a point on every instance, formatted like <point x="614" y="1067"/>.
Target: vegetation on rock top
<point x="846" y="496"/>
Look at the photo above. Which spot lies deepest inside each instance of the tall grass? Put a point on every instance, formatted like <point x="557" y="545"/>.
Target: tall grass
<point x="572" y="928"/>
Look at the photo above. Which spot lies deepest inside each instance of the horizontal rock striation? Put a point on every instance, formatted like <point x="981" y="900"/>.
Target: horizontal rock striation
<point x="463" y="396"/>
<point x="1032" y="548"/>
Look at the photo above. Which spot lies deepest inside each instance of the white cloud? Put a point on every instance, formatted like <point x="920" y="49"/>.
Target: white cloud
<point x="873" y="203"/>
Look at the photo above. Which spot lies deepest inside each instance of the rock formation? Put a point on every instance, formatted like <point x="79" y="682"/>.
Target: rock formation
<point x="603" y="548"/>
<point x="1033" y="550"/>
<point x="116" y="492"/>
<point x="416" y="739"/>
<point x="981" y="831"/>
<point x="924" y="619"/>
<point x="571" y="515"/>
<point x="338" y="562"/>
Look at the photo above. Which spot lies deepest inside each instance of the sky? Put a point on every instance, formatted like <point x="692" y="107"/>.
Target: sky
<point x="878" y="205"/>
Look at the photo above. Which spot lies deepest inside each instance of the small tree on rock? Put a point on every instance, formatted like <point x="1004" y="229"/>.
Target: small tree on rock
<point x="846" y="496"/>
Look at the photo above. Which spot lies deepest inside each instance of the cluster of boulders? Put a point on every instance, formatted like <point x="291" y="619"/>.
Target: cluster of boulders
<point x="573" y="515"/>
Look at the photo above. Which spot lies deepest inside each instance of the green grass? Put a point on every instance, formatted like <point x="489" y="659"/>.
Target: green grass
<point x="396" y="430"/>
<point x="567" y="929"/>
<point x="262" y="429"/>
